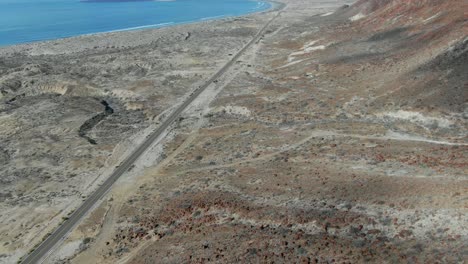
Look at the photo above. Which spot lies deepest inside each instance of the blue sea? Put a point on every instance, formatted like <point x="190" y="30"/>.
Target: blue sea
<point x="23" y="21"/>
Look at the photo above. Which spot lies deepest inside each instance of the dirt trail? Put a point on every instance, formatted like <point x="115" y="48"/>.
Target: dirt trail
<point x="314" y="134"/>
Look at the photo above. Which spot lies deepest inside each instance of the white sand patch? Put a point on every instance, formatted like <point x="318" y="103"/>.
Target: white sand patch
<point x="357" y="17"/>
<point x="305" y="51"/>
<point x="234" y="110"/>
<point x="327" y="14"/>
<point x="431" y="18"/>
<point x="307" y="48"/>
<point x="314" y="48"/>
<point x="310" y="44"/>
<point x="418" y="118"/>
<point x="290" y="64"/>
<point x="407" y="137"/>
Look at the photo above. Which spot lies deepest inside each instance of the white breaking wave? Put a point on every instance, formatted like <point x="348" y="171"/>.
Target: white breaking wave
<point x="141" y="27"/>
<point x="214" y="17"/>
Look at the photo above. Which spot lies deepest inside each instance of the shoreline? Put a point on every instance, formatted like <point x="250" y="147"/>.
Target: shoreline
<point x="273" y="6"/>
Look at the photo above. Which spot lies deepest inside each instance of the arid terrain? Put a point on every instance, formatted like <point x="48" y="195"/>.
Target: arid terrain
<point x="340" y="136"/>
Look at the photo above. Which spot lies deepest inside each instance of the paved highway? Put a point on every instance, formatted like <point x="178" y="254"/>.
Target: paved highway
<point x="38" y="254"/>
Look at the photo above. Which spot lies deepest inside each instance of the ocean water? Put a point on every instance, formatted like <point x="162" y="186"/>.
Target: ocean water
<point x="23" y="21"/>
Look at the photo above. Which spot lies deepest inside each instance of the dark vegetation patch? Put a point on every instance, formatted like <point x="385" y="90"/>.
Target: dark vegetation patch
<point x="393" y="34"/>
<point x="455" y="58"/>
<point x="4" y="156"/>
<point x="353" y="58"/>
<point x="91" y="123"/>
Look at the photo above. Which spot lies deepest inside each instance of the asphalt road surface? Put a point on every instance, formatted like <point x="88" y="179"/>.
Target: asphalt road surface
<point x="38" y="254"/>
